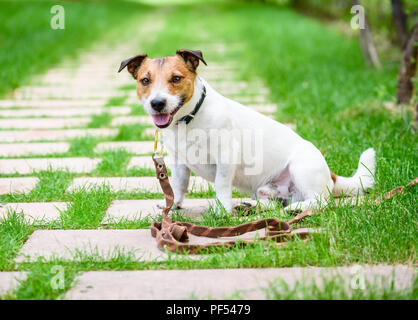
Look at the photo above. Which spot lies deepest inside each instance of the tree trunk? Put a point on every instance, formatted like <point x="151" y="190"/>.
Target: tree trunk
<point x="366" y="43"/>
<point x="400" y="20"/>
<point x="408" y="68"/>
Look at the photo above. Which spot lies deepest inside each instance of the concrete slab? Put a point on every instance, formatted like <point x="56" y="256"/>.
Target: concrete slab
<point x="54" y="103"/>
<point x="35" y="149"/>
<point x="17" y="185"/>
<point x="148" y="133"/>
<point x="132" y="184"/>
<point x="9" y="280"/>
<point x="65" y="112"/>
<point x="34" y="135"/>
<point x="118" y="121"/>
<point x="43" y="123"/>
<point x="25" y="166"/>
<point x="135" y="209"/>
<point x="135" y="147"/>
<point x="145" y="162"/>
<point x="218" y="283"/>
<point x="68" y="244"/>
<point x="46" y="211"/>
<point x="62" y="92"/>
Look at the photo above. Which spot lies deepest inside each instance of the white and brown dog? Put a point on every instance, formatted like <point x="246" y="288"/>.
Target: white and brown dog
<point x="292" y="169"/>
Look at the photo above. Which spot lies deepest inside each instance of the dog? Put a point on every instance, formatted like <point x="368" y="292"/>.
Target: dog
<point x="292" y="169"/>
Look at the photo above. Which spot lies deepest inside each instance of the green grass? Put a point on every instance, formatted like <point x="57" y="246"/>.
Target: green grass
<point x="28" y="45"/>
<point x="113" y="163"/>
<point x="116" y="101"/>
<point x="83" y="146"/>
<point x="132" y="132"/>
<point x="13" y="232"/>
<point x="87" y="208"/>
<point x="100" y="120"/>
<point x="335" y="288"/>
<point x="51" y="187"/>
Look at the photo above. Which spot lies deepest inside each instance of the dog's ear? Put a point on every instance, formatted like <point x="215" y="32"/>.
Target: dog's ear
<point x="133" y="64"/>
<point x="191" y="57"/>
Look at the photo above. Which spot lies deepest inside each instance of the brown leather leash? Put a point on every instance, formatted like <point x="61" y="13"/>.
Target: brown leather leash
<point x="174" y="235"/>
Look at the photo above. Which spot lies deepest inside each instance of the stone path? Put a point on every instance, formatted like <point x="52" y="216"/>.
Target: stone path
<point x="25" y="166"/>
<point x="17" y="185"/>
<point x="219" y="283"/>
<point x="29" y="149"/>
<point x="38" y="125"/>
<point x="53" y="135"/>
<point x="32" y="211"/>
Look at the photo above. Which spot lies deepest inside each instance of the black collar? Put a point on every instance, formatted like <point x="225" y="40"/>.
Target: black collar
<point x="190" y="116"/>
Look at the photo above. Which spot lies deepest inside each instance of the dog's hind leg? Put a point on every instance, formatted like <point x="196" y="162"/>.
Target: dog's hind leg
<point x="311" y="182"/>
<point x="223" y="184"/>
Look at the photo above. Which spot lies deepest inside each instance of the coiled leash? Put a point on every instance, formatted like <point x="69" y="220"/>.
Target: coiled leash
<point x="174" y="235"/>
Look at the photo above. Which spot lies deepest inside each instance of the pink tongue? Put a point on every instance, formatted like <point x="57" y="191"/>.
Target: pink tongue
<point x="161" y="119"/>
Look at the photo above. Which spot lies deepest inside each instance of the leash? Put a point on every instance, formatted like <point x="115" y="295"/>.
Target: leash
<point x="174" y="235"/>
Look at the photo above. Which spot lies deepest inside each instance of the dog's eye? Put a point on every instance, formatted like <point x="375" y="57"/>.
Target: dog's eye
<point x="145" y="81"/>
<point x="175" y="79"/>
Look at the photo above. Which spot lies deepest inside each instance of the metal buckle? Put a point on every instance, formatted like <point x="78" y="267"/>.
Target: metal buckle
<point x="158" y="135"/>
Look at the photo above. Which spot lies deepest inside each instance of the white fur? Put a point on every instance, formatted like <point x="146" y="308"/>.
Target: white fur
<point x="292" y="168"/>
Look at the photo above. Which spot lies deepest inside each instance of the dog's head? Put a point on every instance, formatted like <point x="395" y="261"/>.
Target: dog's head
<point x="164" y="85"/>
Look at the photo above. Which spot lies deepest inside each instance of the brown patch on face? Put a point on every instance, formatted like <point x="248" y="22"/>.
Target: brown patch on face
<point x="171" y="73"/>
<point x="333" y="176"/>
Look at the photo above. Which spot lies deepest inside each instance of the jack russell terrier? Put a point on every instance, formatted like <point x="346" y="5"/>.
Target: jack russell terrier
<point x="291" y="169"/>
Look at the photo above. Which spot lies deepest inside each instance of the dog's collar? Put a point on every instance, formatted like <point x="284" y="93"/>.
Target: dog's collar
<point x="190" y="116"/>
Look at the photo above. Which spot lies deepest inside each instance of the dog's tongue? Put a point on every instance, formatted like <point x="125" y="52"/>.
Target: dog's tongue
<point x="161" y="119"/>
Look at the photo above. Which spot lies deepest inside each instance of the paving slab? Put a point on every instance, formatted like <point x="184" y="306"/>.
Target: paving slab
<point x="62" y="92"/>
<point x="17" y="185"/>
<point x="68" y="244"/>
<point x="65" y="134"/>
<point x="148" y="133"/>
<point x="52" y="103"/>
<point x="43" y="123"/>
<point x="64" y="112"/>
<point x="219" y="283"/>
<point x="135" y="209"/>
<point x="118" y="121"/>
<point x="45" y="211"/>
<point x="9" y="280"/>
<point x="26" y="149"/>
<point x="25" y="166"/>
<point x="135" y="147"/>
<point x="132" y="184"/>
<point x="145" y="162"/>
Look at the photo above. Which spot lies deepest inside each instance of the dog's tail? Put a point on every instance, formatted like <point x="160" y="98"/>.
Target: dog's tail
<point x="362" y="180"/>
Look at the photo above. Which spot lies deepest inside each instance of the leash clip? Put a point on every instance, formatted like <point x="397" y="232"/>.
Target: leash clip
<point x="158" y="136"/>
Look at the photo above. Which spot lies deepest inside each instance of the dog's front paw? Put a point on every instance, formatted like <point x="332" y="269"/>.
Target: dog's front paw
<point x="162" y="205"/>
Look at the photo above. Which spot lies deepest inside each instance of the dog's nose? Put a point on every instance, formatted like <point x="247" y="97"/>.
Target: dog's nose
<point x="158" y="104"/>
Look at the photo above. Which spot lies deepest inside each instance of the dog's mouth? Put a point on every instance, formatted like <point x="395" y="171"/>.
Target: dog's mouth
<point x="163" y="120"/>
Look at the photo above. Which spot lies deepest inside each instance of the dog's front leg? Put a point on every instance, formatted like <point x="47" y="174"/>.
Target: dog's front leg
<point x="180" y="176"/>
<point x="223" y="184"/>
